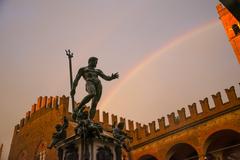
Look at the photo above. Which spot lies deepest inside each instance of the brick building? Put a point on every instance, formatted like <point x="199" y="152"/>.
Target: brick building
<point x="213" y="133"/>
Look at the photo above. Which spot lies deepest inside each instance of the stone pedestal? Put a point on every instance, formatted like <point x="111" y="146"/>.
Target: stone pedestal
<point x="77" y="148"/>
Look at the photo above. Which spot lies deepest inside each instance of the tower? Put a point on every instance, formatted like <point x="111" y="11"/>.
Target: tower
<point x="232" y="28"/>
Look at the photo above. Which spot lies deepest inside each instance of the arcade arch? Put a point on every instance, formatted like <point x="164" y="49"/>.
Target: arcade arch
<point x="223" y="144"/>
<point x="182" y="151"/>
<point x="147" y="157"/>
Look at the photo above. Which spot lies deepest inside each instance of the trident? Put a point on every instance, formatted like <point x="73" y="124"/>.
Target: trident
<point x="70" y="55"/>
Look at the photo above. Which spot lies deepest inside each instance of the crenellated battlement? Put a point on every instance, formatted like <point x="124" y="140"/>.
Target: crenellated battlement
<point x="180" y="121"/>
<point x="43" y="105"/>
<point x="46" y="104"/>
<point x="142" y="133"/>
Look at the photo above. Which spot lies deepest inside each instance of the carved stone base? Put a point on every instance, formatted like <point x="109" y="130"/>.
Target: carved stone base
<point x="77" y="148"/>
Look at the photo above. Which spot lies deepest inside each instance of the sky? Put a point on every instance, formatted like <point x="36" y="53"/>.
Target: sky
<point x="169" y="54"/>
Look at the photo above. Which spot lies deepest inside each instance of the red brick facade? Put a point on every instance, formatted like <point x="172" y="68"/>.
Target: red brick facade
<point x="184" y="137"/>
<point x="193" y="136"/>
<point x="34" y="132"/>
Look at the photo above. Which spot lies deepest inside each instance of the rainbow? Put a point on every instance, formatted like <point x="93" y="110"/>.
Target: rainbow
<point x="153" y="56"/>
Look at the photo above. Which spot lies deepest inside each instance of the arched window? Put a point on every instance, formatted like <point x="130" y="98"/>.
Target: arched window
<point x="236" y="29"/>
<point x="182" y="151"/>
<point x="147" y="157"/>
<point x="22" y="156"/>
<point x="41" y="152"/>
<point x="224" y="144"/>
